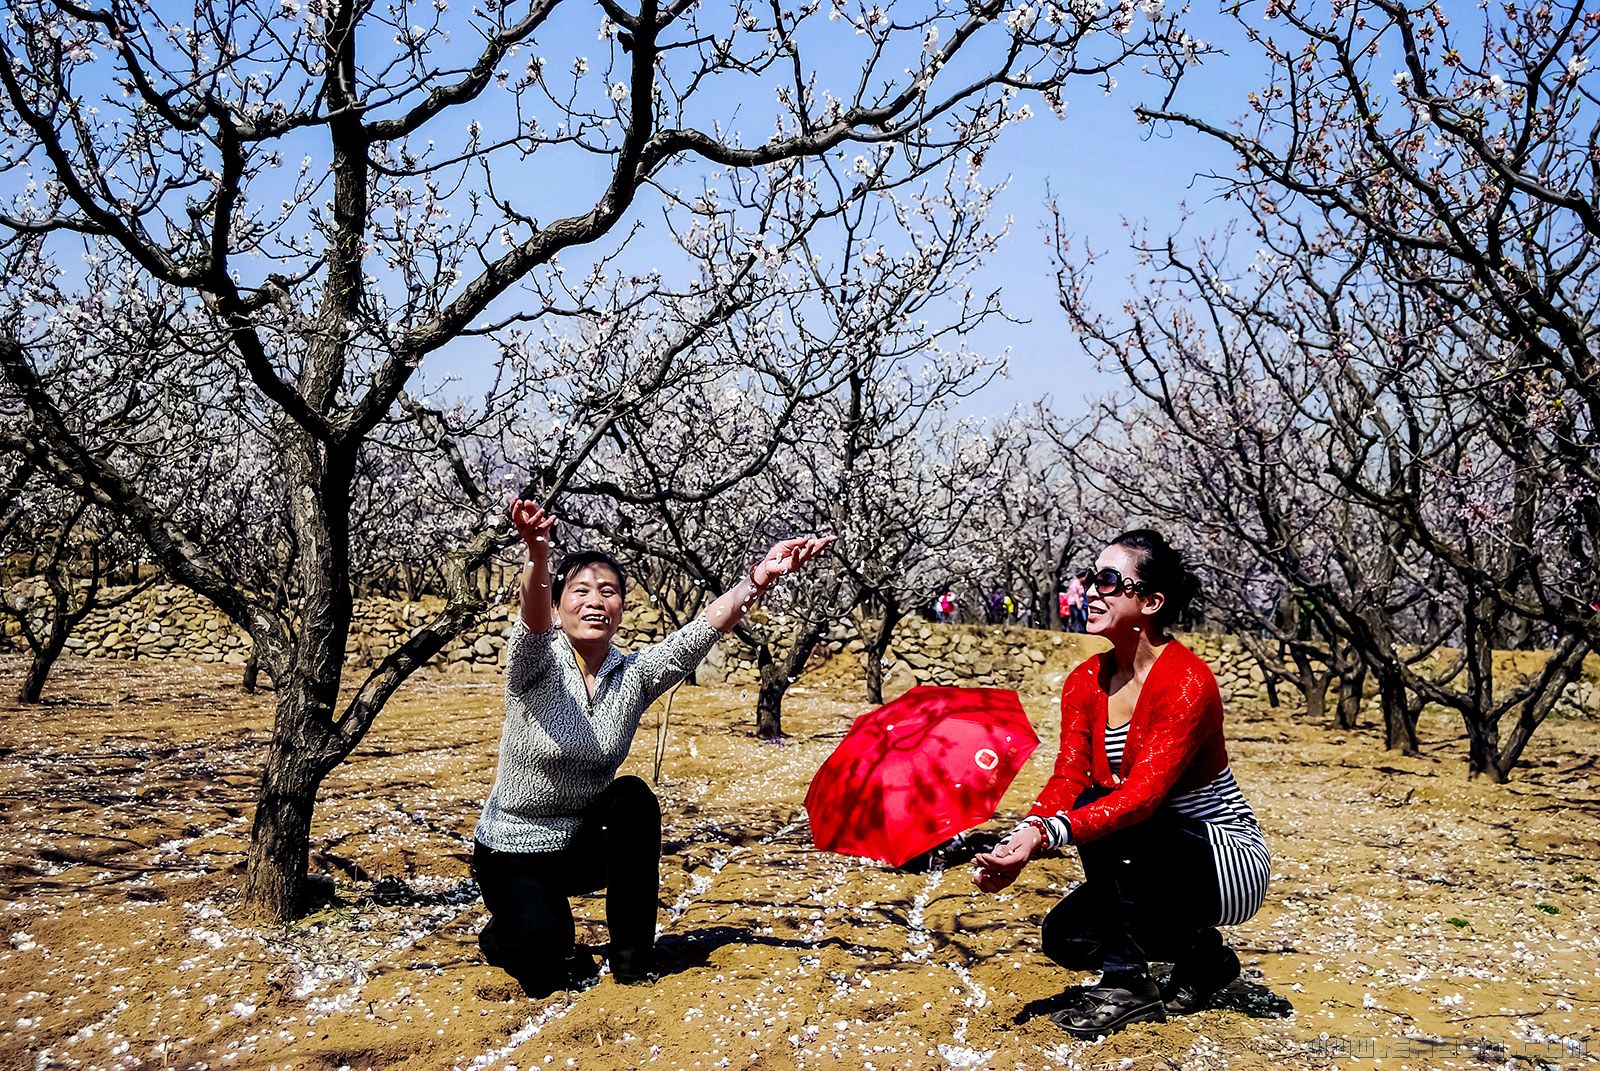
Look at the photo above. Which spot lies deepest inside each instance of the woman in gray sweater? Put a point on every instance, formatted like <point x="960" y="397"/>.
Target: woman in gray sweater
<point x="558" y="820"/>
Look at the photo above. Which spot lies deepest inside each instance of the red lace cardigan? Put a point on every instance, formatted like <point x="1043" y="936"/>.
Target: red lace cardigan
<point x="1174" y="744"/>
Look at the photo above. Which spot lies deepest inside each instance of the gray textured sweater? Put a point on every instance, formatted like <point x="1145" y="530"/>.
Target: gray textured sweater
<point x="559" y="749"/>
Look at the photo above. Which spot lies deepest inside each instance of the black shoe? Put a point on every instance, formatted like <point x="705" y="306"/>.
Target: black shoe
<point x="581" y="969"/>
<point x="633" y="967"/>
<point x="575" y="973"/>
<point x="1105" y="1009"/>
<point x="1191" y="989"/>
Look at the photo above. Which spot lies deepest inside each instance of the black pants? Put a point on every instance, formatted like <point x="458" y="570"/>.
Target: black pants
<point x="618" y="848"/>
<point x="1149" y="892"/>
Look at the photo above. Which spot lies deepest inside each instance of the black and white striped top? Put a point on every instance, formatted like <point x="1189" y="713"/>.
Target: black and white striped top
<point x="1237" y="846"/>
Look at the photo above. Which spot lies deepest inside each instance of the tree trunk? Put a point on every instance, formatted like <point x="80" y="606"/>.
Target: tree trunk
<point x="769" y="709"/>
<point x="45" y="654"/>
<point x="1315" y="689"/>
<point x="769" y="700"/>
<point x="44" y="657"/>
<point x="1312" y="682"/>
<point x="877" y="649"/>
<point x="304" y="749"/>
<point x="252" y="670"/>
<point x="1399" y="725"/>
<point x="1352" y="690"/>
<point x="777" y="675"/>
<point x="1483" y="750"/>
<point x="280" y="837"/>
<point x="1497" y="762"/>
<point x="1506" y="759"/>
<point x="872" y="672"/>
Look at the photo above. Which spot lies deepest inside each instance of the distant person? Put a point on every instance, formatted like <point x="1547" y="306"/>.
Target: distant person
<point x="947" y="606"/>
<point x="1073" y="600"/>
<point x="994" y="607"/>
<point x="1008" y="609"/>
<point x="1064" y="610"/>
<point x="1143" y="789"/>
<point x="558" y="820"/>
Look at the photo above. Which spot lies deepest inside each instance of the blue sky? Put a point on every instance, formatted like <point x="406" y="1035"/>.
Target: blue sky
<point x="1100" y="164"/>
<point x="1103" y="167"/>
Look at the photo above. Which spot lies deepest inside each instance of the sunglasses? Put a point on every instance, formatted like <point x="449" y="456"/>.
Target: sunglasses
<point x="1109" y="581"/>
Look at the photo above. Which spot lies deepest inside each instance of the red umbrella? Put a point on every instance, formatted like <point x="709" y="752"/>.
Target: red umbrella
<point x="915" y="772"/>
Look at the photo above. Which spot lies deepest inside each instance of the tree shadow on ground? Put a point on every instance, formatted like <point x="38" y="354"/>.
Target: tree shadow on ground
<point x="676" y="952"/>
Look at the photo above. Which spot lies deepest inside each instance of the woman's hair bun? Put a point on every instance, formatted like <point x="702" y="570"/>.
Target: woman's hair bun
<point x="1164" y="568"/>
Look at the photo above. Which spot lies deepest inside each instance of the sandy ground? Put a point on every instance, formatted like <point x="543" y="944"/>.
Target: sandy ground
<point x="1414" y="917"/>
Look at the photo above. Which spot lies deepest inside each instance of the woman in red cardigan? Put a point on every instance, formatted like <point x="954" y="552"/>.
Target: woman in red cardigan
<point x="1142" y="788"/>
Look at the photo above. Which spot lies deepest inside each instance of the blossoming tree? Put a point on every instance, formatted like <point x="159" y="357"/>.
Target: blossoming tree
<point x="1403" y="360"/>
<point x="334" y="192"/>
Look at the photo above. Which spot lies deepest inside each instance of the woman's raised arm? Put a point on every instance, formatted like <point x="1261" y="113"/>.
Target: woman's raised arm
<point x="534" y="525"/>
<point x="789" y="556"/>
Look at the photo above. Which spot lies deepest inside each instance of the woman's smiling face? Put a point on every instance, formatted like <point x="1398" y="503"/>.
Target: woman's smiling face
<point x="1122" y="609"/>
<point x="590" y="609"/>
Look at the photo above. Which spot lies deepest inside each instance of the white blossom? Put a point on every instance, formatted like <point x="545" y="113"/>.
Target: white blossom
<point x="1020" y="19"/>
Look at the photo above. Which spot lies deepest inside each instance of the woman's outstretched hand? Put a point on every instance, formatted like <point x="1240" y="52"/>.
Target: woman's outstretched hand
<point x="789" y="556"/>
<point x="1000" y="868"/>
<point x="783" y="559"/>
<point x="533" y="524"/>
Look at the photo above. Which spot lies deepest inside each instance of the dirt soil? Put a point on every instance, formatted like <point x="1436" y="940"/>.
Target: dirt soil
<point x="1415" y="917"/>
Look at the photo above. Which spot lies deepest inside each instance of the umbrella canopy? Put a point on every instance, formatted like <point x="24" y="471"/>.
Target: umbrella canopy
<point x="915" y="772"/>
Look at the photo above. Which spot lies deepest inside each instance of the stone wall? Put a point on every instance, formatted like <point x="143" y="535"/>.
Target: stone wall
<point x="1032" y="660"/>
<point x="170" y="622"/>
